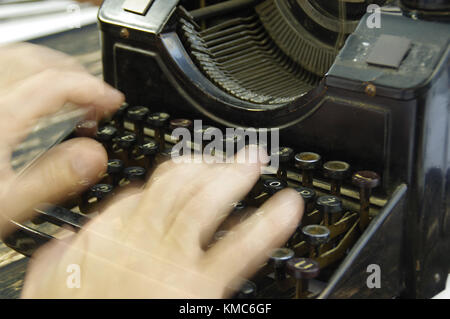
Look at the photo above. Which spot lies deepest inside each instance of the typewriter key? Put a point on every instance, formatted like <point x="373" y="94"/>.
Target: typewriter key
<point x="125" y="145"/>
<point x="330" y="207"/>
<point x="279" y="257"/>
<point x="146" y="154"/>
<point x="133" y="174"/>
<point x="158" y="122"/>
<point x="105" y="135"/>
<point x="336" y="171"/>
<point x="285" y="155"/>
<point x="308" y="195"/>
<point x="167" y="154"/>
<point x="239" y="207"/>
<point x="114" y="172"/>
<point x="180" y="124"/>
<point x="247" y="290"/>
<point x="271" y="186"/>
<point x="303" y="270"/>
<point x="119" y="117"/>
<point x="315" y="236"/>
<point x="307" y="162"/>
<point x="138" y="115"/>
<point x="94" y="196"/>
<point x="211" y="134"/>
<point x="365" y="180"/>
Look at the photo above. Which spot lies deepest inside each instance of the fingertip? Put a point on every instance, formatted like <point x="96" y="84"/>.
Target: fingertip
<point x="114" y="97"/>
<point x="290" y="207"/>
<point x="88" y="157"/>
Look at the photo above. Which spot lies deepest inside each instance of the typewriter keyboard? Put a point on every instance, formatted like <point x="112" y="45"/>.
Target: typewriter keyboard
<point x="339" y="204"/>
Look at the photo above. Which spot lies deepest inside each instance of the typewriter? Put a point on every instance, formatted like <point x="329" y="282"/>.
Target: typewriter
<point x="359" y="91"/>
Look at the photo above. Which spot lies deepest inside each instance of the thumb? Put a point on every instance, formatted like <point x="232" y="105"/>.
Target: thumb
<point x="67" y="169"/>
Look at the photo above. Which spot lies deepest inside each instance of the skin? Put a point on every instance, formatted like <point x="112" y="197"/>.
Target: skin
<point x="152" y="240"/>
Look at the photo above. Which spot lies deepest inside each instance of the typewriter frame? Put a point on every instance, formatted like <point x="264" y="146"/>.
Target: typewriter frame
<point x="396" y="134"/>
<point x="401" y="115"/>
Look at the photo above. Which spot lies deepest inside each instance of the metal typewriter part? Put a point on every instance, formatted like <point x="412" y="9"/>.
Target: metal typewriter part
<point x="363" y="118"/>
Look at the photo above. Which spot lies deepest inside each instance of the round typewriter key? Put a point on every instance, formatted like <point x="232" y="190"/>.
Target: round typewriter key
<point x="149" y="149"/>
<point x="247" y="290"/>
<point x="126" y="143"/>
<point x="138" y="115"/>
<point x="315" y="236"/>
<point x="147" y="153"/>
<point x="330" y="207"/>
<point x="180" y="123"/>
<point x="283" y="155"/>
<point x="308" y="195"/>
<point x="303" y="270"/>
<point x="271" y="186"/>
<point x="365" y="180"/>
<point x="114" y="171"/>
<point x="86" y="128"/>
<point x="239" y="207"/>
<point x="278" y="257"/>
<point x="336" y="171"/>
<point x="158" y="121"/>
<point x="106" y="134"/>
<point x="94" y="196"/>
<point x="101" y="191"/>
<point x="307" y="162"/>
<point x="133" y="174"/>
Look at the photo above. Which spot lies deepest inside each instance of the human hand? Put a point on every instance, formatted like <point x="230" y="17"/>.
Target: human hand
<point x="155" y="242"/>
<point x="96" y="2"/>
<point x="35" y="82"/>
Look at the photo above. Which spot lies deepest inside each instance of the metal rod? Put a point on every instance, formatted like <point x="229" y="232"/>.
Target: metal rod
<point x="221" y="8"/>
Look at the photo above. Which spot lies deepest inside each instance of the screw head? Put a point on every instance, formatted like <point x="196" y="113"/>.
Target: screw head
<point x="124" y="33"/>
<point x="371" y="90"/>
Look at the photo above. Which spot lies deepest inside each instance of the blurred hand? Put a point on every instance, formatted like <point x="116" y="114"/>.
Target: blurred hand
<point x="155" y="242"/>
<point x="35" y="82"/>
<point x="96" y="2"/>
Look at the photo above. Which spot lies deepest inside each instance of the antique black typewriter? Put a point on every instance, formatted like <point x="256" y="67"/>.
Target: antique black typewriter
<point x="360" y="92"/>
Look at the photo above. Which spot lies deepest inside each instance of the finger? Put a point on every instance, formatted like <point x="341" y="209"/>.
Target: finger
<point x="67" y="169"/>
<point x="22" y="60"/>
<point x="241" y="253"/>
<point x="235" y="219"/>
<point x="48" y="91"/>
<point x="170" y="185"/>
<point x="219" y="189"/>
